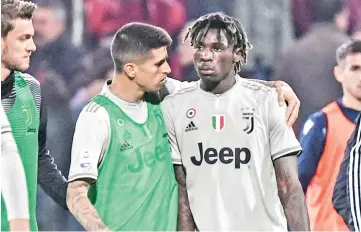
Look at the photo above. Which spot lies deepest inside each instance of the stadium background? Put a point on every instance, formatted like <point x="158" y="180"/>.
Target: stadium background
<point x="73" y="60"/>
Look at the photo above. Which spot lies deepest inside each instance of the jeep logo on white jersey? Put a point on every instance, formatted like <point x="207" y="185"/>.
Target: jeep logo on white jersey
<point x="226" y="156"/>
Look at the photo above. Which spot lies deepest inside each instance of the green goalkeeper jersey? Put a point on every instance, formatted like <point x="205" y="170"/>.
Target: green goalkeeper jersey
<point x="136" y="187"/>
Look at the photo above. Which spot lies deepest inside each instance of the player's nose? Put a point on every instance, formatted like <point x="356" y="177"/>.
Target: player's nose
<point x="167" y="69"/>
<point x="206" y="55"/>
<point x="31" y="46"/>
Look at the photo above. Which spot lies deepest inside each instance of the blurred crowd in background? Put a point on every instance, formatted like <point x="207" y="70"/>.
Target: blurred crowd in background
<point x="292" y="41"/>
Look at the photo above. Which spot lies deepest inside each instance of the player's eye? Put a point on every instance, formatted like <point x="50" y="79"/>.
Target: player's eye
<point x="24" y="37"/>
<point x="217" y="48"/>
<point x="355" y="68"/>
<point x="160" y="63"/>
<point x="199" y="47"/>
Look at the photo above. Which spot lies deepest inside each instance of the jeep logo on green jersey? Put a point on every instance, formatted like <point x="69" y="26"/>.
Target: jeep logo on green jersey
<point x="149" y="159"/>
<point x="226" y="156"/>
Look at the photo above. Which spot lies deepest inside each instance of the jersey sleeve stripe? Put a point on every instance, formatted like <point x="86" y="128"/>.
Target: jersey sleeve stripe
<point x="5" y="129"/>
<point x="82" y="175"/>
<point x="287" y="151"/>
<point x="177" y="161"/>
<point x="354" y="181"/>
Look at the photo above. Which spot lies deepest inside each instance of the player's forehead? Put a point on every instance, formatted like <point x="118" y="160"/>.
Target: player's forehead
<point x="353" y="59"/>
<point x="157" y="54"/>
<point x="22" y="27"/>
<point x="154" y="56"/>
<point x="215" y="36"/>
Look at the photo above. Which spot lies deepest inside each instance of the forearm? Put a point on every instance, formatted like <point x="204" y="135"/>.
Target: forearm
<point x="185" y="218"/>
<point x="294" y="205"/>
<point x="82" y="209"/>
<point x="13" y="184"/>
<point x="291" y="194"/>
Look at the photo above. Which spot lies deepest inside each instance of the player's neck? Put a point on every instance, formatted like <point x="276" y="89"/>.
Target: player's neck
<point x="125" y="89"/>
<point x="351" y="102"/>
<point x="4" y="72"/>
<point x="219" y="87"/>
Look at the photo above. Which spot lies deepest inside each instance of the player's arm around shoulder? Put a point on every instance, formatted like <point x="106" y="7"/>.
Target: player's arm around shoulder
<point x="89" y="138"/>
<point x="285" y="94"/>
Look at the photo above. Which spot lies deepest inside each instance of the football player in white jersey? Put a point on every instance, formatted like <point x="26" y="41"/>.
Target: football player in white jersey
<point x="13" y="181"/>
<point x="235" y="158"/>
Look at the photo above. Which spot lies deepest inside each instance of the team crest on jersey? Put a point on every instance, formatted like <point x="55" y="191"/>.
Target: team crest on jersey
<point x="248" y="118"/>
<point x="191" y="113"/>
<point x="218" y="122"/>
<point x="120" y="122"/>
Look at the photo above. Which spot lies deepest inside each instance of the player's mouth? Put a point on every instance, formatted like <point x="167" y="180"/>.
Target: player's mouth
<point x="162" y="81"/>
<point x="206" y="71"/>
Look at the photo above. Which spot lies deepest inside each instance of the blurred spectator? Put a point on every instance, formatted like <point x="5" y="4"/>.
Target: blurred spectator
<point x="60" y="128"/>
<point x="185" y="57"/>
<point x="354" y="7"/>
<point x="324" y="140"/>
<point x="308" y="65"/>
<point x="302" y="15"/>
<point x="54" y="48"/>
<point x="101" y="70"/>
<point x="269" y="30"/>
<point x="357" y="33"/>
<point x="197" y="8"/>
<point x="105" y="17"/>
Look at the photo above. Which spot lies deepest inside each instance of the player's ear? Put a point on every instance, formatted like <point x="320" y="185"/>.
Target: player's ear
<point x="237" y="55"/>
<point x="338" y="72"/>
<point x="129" y="70"/>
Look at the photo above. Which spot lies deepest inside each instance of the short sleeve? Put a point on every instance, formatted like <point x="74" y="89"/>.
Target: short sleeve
<point x="282" y="138"/>
<point x="168" y="114"/>
<point x="90" y="138"/>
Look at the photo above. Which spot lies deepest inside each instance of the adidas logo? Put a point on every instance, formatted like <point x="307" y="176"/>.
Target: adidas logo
<point x="191" y="127"/>
<point x="126" y="146"/>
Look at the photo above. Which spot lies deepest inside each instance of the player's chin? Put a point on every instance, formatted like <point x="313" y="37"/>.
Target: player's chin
<point x="210" y="78"/>
<point x="155" y="88"/>
<point x="23" y="67"/>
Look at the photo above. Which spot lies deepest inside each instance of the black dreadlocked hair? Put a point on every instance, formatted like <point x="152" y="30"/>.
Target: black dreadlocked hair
<point x="235" y="32"/>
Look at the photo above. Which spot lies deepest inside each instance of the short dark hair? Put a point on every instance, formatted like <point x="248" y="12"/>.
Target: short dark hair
<point x="325" y="10"/>
<point x="14" y="9"/>
<point x="235" y="32"/>
<point x="347" y="48"/>
<point x="135" y="40"/>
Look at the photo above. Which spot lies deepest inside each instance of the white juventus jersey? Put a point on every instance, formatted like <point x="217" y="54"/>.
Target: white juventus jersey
<point x="227" y="144"/>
